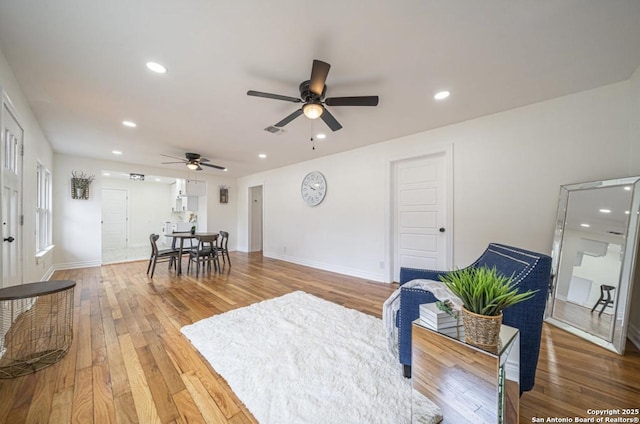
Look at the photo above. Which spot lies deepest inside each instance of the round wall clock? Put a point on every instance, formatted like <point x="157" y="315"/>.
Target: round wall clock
<point x="313" y="188"/>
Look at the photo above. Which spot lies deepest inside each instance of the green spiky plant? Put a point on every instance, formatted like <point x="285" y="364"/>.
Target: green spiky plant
<point x="484" y="290"/>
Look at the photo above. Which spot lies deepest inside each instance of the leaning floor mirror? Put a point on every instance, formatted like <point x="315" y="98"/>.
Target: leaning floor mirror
<point x="594" y="260"/>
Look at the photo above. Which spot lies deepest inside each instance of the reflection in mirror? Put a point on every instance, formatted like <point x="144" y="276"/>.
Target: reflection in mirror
<point x="593" y="254"/>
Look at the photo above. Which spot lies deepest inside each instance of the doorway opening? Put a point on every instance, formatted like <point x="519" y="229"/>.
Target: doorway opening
<point x="134" y="209"/>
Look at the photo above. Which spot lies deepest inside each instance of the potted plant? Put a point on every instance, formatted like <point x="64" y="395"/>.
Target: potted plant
<point x="485" y="293"/>
<point x="80" y="184"/>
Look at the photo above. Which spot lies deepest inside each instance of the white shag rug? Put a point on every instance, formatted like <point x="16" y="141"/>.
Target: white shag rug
<point x="300" y="359"/>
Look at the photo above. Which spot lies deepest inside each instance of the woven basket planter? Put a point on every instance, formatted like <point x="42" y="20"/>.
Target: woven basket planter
<point x="481" y="330"/>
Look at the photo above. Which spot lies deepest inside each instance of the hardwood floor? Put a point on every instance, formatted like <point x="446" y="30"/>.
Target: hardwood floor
<point x="129" y="362"/>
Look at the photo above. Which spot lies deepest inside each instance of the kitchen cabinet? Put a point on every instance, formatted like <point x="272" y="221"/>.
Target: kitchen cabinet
<point x="195" y="188"/>
<point x="181" y="187"/>
<point x="186" y="203"/>
<point x="189" y="188"/>
<point x="185" y="194"/>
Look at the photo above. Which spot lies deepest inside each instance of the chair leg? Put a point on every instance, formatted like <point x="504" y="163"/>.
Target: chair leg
<point x="406" y="371"/>
<point x="598" y="303"/>
<point x="606" y="302"/>
<point x="149" y="266"/>
<point x="216" y="261"/>
<point x="228" y="258"/>
<point x="153" y="267"/>
<point x="602" y="310"/>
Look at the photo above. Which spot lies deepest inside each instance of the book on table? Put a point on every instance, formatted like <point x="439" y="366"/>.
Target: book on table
<point x="437" y="319"/>
<point x="434" y="318"/>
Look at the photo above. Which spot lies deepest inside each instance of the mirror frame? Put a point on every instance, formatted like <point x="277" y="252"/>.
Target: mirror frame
<point x="625" y="283"/>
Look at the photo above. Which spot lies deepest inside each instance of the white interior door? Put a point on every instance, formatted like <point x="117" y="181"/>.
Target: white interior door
<point x="115" y="218"/>
<point x="420" y="214"/>
<point x="11" y="159"/>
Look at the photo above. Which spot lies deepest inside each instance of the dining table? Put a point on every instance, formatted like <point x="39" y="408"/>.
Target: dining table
<point x="182" y="237"/>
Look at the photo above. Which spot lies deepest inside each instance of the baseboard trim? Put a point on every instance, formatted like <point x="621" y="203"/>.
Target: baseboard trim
<point x="378" y="278"/>
<point x="75" y="265"/>
<point x="47" y="276"/>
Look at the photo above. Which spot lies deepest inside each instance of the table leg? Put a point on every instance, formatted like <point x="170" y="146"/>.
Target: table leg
<point x="180" y="257"/>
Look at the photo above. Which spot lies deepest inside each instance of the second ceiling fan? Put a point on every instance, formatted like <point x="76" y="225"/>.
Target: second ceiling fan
<point x="312" y="94"/>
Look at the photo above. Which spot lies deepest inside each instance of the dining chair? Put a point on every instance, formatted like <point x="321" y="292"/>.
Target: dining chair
<point x="222" y="247"/>
<point x="165" y="255"/>
<point x="204" y="253"/>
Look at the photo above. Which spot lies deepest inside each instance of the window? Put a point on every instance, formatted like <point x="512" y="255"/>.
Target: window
<point x="43" y="209"/>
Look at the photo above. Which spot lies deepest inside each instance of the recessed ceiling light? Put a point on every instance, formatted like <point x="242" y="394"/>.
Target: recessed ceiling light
<point x="158" y="179"/>
<point x="605" y="210"/>
<point x="156" y="67"/>
<point x="225" y="169"/>
<point x="116" y="152"/>
<point x="441" y="95"/>
<point x="626" y="212"/>
<point x="129" y="124"/>
<point x="585" y="225"/>
<point x="321" y="136"/>
<point x="106" y="174"/>
<point x="262" y="156"/>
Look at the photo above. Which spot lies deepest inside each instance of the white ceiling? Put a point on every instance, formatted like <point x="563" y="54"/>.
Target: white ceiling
<point x="81" y="64"/>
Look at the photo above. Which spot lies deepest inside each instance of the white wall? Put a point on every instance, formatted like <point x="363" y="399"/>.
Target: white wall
<point x="77" y="229"/>
<point x="36" y="148"/>
<point x="508" y="169"/>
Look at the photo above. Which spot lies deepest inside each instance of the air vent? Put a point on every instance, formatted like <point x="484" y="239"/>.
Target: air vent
<point x="616" y="233"/>
<point x="274" y="130"/>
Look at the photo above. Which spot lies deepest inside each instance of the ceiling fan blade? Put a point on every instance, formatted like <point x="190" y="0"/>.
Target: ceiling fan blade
<point x="172" y="157"/>
<point x="289" y="118"/>
<point x="331" y="122"/>
<point x="273" y="96"/>
<point x="210" y="165"/>
<point x="165" y="163"/>
<point x="319" y="72"/>
<point x="352" y="101"/>
<point x="204" y="160"/>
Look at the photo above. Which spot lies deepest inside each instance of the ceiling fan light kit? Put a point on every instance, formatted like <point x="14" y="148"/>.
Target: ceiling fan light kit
<point x="312" y="110"/>
<point x="312" y="94"/>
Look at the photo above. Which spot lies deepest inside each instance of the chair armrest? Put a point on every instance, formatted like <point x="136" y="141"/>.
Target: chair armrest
<point x="408" y="274"/>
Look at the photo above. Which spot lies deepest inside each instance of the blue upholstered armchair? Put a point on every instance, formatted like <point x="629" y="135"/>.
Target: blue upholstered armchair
<point x="531" y="271"/>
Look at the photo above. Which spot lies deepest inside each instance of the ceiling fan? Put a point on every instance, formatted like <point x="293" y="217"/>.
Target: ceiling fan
<point x="312" y="94"/>
<point x="194" y="162"/>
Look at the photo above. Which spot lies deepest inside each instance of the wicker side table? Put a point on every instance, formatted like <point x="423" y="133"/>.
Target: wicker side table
<point x="36" y="326"/>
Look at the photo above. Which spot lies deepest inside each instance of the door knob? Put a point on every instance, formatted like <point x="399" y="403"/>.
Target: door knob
<point x="441" y="229"/>
<point x="9" y="239"/>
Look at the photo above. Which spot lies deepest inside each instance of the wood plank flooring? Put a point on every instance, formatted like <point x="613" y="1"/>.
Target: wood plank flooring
<point x="129" y="362"/>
